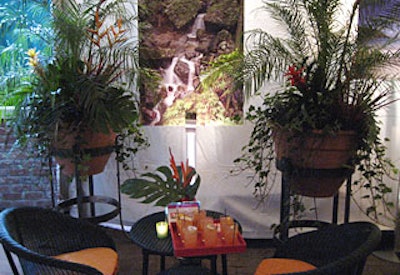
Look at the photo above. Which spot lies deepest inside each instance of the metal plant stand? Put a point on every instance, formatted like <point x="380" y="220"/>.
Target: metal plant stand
<point x="86" y="204"/>
<point x="284" y="165"/>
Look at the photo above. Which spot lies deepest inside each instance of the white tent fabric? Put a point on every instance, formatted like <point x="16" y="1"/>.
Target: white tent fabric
<point x="216" y="147"/>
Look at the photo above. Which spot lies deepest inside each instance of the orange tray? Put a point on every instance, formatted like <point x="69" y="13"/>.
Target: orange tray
<point x="201" y="249"/>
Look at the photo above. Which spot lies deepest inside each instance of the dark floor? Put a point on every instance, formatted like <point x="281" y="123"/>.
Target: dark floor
<point x="238" y="264"/>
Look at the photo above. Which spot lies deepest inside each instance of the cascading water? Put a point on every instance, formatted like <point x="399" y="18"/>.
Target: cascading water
<point x="172" y="86"/>
<point x="197" y="25"/>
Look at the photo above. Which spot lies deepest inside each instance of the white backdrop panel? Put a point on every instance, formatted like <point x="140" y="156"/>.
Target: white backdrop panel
<point x="216" y="148"/>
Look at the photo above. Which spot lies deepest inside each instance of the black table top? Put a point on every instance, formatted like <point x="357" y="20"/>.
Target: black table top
<point x="143" y="233"/>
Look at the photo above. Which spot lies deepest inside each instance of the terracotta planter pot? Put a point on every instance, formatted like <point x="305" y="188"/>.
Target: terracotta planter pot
<point x="95" y="151"/>
<point x="319" y="163"/>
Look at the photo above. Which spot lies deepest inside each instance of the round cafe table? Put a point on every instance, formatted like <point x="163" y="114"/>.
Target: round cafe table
<point x="144" y="235"/>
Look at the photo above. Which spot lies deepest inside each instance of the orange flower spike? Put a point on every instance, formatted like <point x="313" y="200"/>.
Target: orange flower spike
<point x="119" y="23"/>
<point x="110" y="43"/>
<point x="104" y="33"/>
<point x="114" y="31"/>
<point x="97" y="20"/>
<point x="93" y="31"/>
<point x="95" y="42"/>
<point x="183" y="173"/>
<point x="187" y="170"/>
<point x="187" y="178"/>
<point x="173" y="166"/>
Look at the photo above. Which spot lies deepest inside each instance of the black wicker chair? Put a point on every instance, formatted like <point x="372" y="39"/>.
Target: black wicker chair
<point x="333" y="249"/>
<point x="34" y="235"/>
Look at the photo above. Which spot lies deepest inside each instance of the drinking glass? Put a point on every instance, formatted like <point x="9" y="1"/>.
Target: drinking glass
<point x="189" y="236"/>
<point x="198" y="216"/>
<point x="210" y="234"/>
<point x="180" y="223"/>
<point x="229" y="233"/>
<point x="225" y="221"/>
<point x="204" y="221"/>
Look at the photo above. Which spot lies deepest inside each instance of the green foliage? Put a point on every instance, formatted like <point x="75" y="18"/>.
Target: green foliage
<point x="223" y="66"/>
<point x="331" y="80"/>
<point x="23" y="25"/>
<point x="161" y="187"/>
<point x="89" y="83"/>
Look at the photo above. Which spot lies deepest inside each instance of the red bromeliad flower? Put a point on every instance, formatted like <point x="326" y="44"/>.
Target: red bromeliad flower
<point x="296" y="77"/>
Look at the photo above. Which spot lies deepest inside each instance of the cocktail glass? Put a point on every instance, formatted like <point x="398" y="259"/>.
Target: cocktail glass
<point x="229" y="233"/>
<point x="210" y="234"/>
<point x="198" y="216"/>
<point x="189" y="236"/>
<point x="204" y="221"/>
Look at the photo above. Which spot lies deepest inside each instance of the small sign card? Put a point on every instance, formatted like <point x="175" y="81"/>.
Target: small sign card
<point x="186" y="207"/>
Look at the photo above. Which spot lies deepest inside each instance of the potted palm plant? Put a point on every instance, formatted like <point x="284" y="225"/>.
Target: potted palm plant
<point x="333" y="83"/>
<point x="79" y="101"/>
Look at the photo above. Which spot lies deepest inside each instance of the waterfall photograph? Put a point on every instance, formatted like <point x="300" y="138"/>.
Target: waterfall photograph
<point x="178" y="41"/>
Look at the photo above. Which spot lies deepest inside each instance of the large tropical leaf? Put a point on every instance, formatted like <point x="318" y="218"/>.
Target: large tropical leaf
<point x="161" y="187"/>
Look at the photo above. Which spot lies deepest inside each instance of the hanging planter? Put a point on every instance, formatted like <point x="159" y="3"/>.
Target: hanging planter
<point x="317" y="163"/>
<point x="340" y="84"/>
<point x="87" y="84"/>
<point x="91" y="155"/>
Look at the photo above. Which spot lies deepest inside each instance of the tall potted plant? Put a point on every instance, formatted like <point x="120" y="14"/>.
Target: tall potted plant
<point x="332" y="81"/>
<point x="84" y="95"/>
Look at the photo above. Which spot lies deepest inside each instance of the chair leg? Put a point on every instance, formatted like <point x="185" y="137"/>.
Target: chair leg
<point x="11" y="261"/>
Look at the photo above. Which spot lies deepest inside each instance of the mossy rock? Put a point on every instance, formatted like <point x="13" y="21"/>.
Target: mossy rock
<point x="182" y="12"/>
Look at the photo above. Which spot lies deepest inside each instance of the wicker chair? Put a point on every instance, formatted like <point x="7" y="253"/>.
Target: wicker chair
<point x="332" y="249"/>
<point x="34" y="235"/>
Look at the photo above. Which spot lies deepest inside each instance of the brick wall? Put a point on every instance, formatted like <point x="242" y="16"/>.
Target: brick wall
<point x="24" y="181"/>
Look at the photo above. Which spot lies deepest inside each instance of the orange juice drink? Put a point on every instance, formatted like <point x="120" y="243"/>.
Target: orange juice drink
<point x="197" y="216"/>
<point x="210" y="235"/>
<point x="226" y="221"/>
<point x="189" y="219"/>
<point x="202" y="223"/>
<point x="189" y="236"/>
<point x="180" y="223"/>
<point x="229" y="233"/>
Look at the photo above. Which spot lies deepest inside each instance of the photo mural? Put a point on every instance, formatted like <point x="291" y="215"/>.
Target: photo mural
<point x="178" y="40"/>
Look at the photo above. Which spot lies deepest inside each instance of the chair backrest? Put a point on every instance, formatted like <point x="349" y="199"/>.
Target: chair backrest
<point x="36" y="234"/>
<point x="334" y="249"/>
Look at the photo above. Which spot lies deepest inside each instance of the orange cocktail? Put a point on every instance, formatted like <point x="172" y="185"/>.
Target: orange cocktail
<point x="189" y="236"/>
<point x="229" y="233"/>
<point x="183" y="220"/>
<point x="198" y="216"/>
<point x="210" y="234"/>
